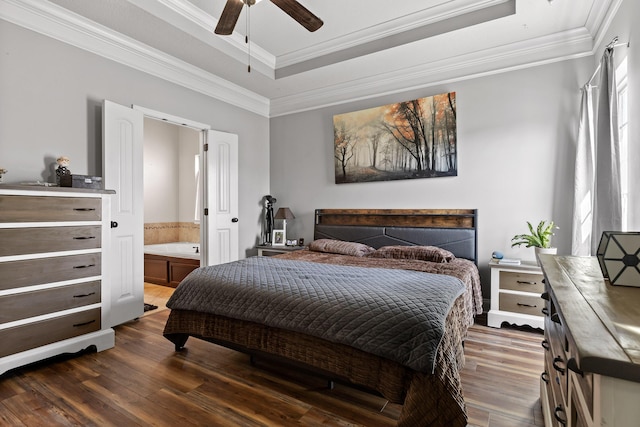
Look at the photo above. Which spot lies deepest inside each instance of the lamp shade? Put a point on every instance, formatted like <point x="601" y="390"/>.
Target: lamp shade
<point x="284" y="213"/>
<point x="619" y="257"/>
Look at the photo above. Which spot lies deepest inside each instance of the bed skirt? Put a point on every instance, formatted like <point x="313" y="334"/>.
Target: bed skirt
<point x="428" y="399"/>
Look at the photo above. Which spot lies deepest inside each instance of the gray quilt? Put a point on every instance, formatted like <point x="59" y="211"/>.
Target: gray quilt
<point x="396" y="314"/>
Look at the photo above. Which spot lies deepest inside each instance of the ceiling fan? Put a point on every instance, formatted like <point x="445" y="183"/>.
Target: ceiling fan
<point x="232" y="10"/>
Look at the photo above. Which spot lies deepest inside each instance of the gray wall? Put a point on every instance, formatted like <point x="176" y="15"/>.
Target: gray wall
<point x="50" y="105"/>
<point x="516" y="134"/>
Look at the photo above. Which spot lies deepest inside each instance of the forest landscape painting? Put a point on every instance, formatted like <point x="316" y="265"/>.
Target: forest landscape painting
<point x="407" y="140"/>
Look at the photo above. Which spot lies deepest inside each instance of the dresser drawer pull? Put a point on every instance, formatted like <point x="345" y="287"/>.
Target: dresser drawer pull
<point x="77" y="325"/>
<point x="545" y="377"/>
<point x="573" y="365"/>
<point x="545" y="296"/>
<point x="545" y="345"/>
<point x="556" y="318"/>
<point x="521" y="304"/>
<point x="556" y="367"/>
<point x="84" y="237"/>
<point x="556" y="415"/>
<point x="84" y="295"/>
<point x="525" y="282"/>
<point x="545" y="311"/>
<point x="84" y="209"/>
<point x="84" y="266"/>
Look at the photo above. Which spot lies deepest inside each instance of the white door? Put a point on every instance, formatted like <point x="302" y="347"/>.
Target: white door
<point x="122" y="143"/>
<point x="220" y="221"/>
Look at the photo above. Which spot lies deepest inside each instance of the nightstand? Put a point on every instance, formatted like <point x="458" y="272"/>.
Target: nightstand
<point x="269" y="250"/>
<point x="515" y="295"/>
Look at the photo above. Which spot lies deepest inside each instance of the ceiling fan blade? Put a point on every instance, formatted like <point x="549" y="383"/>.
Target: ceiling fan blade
<point x="229" y="17"/>
<point x="300" y="13"/>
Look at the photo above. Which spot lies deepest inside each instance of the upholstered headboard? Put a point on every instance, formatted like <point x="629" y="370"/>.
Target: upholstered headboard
<point x="452" y="229"/>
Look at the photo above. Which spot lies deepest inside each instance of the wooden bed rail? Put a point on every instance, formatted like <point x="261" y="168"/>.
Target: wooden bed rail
<point x="434" y="218"/>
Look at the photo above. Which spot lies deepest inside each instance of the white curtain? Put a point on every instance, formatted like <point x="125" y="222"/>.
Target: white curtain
<point x="607" y="193"/>
<point x="584" y="181"/>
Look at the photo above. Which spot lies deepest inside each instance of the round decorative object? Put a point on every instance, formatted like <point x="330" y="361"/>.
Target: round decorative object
<point x="497" y="255"/>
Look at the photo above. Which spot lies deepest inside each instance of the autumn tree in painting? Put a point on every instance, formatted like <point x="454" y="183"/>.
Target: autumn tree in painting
<point x="412" y="139"/>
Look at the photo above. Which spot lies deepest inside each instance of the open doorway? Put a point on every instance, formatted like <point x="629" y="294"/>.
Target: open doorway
<point x="172" y="205"/>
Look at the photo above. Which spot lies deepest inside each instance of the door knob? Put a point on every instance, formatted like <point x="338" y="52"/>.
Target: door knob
<point x="114" y="224"/>
<point x="234" y="220"/>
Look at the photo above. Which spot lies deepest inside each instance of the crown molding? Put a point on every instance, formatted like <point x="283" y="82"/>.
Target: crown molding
<point x="509" y="57"/>
<point x="53" y="21"/>
<point x="390" y="28"/>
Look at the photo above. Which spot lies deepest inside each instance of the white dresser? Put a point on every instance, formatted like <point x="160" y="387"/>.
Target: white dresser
<point x="53" y="298"/>
<point x="515" y="295"/>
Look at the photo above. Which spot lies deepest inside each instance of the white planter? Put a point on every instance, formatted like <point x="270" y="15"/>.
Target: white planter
<point x="544" y="251"/>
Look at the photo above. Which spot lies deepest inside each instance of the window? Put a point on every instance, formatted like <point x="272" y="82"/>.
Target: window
<point x="623" y="130"/>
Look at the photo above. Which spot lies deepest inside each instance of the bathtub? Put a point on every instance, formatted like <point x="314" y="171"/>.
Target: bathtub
<point x="177" y="250"/>
<point x="168" y="263"/>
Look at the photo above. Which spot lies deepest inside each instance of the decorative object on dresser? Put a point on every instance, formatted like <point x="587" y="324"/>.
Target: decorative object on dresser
<point x="592" y="363"/>
<point x="515" y="294"/>
<point x="62" y="171"/>
<point x="53" y="284"/>
<point x="2" y="172"/>
<point x="539" y="238"/>
<point x="278" y="238"/>
<point x="619" y="257"/>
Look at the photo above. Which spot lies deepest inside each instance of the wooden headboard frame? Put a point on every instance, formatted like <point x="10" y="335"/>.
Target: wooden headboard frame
<point x="453" y="229"/>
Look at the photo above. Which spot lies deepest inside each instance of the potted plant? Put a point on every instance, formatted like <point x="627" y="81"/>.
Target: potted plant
<point x="539" y="238"/>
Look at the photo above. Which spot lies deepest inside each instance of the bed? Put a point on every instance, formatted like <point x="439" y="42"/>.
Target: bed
<point x="381" y="299"/>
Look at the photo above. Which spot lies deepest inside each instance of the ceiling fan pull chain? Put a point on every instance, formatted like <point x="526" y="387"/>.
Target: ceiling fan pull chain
<point x="246" y="38"/>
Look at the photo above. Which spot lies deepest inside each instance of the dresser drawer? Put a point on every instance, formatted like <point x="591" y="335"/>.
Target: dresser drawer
<point x="36" y="303"/>
<point x="21" y="241"/>
<point x="42" y="208"/>
<point x="518" y="281"/>
<point x="26" y="337"/>
<point x="18" y="274"/>
<point x="524" y="304"/>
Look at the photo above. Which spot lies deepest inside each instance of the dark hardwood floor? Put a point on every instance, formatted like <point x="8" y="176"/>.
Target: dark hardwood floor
<point x="142" y="381"/>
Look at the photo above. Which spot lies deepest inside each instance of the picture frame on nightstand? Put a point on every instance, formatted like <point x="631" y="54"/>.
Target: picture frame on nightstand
<point x="278" y="238"/>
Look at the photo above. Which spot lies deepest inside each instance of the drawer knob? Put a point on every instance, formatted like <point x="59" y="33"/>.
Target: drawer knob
<point x="545" y="296"/>
<point x="84" y="209"/>
<point x="521" y="304"/>
<point x="84" y="295"/>
<point x="545" y="345"/>
<point x="526" y="282"/>
<point x="557" y="360"/>
<point x="84" y="237"/>
<point x="545" y="377"/>
<point x="77" y="325"/>
<point x="84" y="266"/>
<point x="556" y="414"/>
<point x="545" y="311"/>
<point x="556" y="318"/>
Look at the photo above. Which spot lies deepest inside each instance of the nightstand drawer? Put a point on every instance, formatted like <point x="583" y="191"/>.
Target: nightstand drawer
<point x="26" y="337"/>
<point x="18" y="274"/>
<point x="41" y="208"/>
<point x="519" y="281"/>
<point x="36" y="303"/>
<point x="524" y="304"/>
<point x="49" y="239"/>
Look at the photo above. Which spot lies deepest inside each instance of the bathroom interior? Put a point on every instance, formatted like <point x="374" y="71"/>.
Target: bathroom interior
<point x="171" y="210"/>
